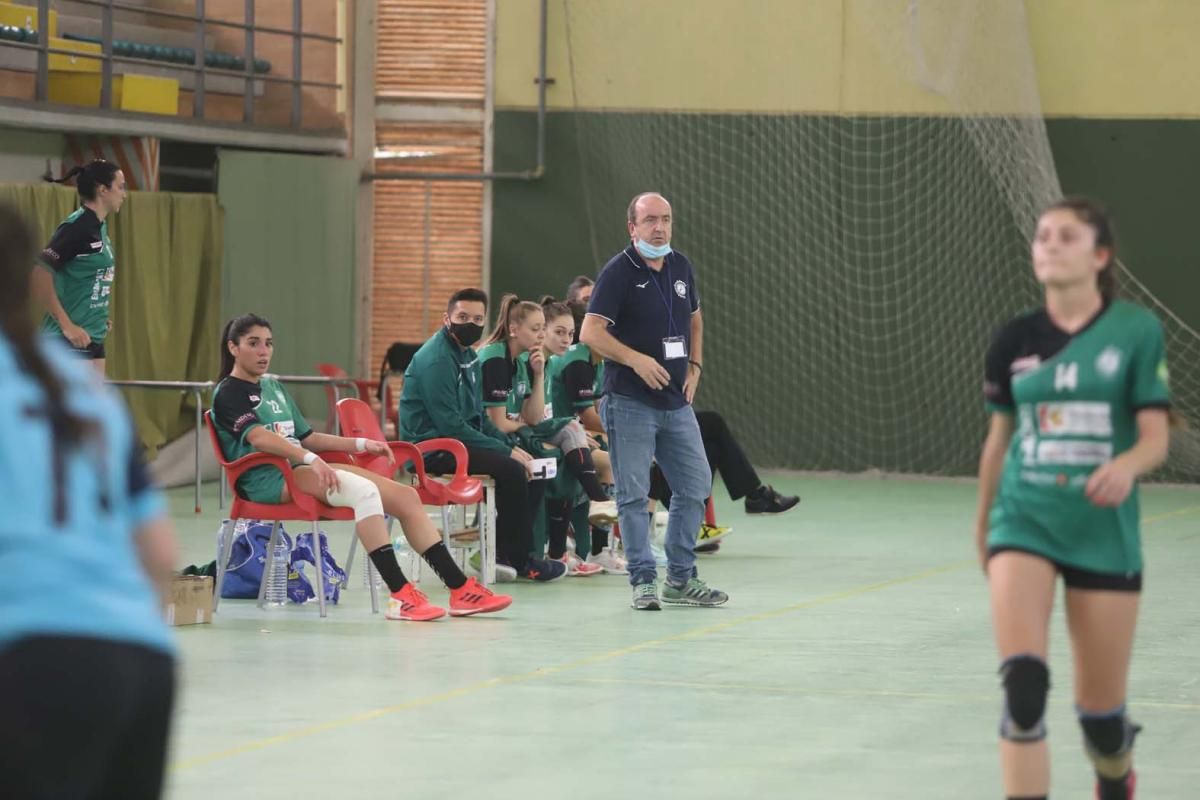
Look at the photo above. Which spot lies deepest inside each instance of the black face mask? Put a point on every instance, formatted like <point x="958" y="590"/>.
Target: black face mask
<point x="467" y="333"/>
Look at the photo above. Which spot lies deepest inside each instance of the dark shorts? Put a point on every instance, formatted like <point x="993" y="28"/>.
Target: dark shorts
<point x="93" y="352"/>
<point x="84" y="718"/>
<point x="1076" y="578"/>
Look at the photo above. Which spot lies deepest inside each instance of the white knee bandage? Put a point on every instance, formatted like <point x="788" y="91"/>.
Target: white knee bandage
<point x="355" y="491"/>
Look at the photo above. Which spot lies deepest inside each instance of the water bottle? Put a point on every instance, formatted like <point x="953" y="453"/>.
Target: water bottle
<point x="276" y="594"/>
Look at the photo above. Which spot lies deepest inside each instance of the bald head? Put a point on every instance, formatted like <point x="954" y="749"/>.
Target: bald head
<point x="637" y="205"/>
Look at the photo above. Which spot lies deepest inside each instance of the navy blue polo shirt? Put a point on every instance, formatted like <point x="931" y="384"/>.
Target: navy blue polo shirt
<point x="643" y="307"/>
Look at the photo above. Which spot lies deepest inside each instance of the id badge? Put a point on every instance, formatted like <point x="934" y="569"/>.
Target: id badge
<point x="674" y="347"/>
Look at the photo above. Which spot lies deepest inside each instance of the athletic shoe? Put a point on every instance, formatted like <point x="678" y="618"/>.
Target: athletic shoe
<point x="710" y="535"/>
<point x="707" y="549"/>
<point x="602" y="512"/>
<point x="504" y="573"/>
<point x="645" y="597"/>
<point x="1130" y="787"/>
<point x="693" y="593"/>
<point x="475" y="598"/>
<point x="543" y="570"/>
<point x="579" y="569"/>
<point x="610" y="562"/>
<point x="765" y="500"/>
<point x="410" y="605"/>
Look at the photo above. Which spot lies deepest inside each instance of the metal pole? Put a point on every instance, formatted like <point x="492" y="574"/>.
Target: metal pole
<point x="541" y="112"/>
<point x="223" y="479"/>
<point x="337" y="424"/>
<point x="42" y="81"/>
<point x="383" y="409"/>
<point x="106" y="49"/>
<point x="297" y="63"/>
<point x="425" y="277"/>
<point x="201" y="62"/>
<point x="248" y="96"/>
<point x="199" y="425"/>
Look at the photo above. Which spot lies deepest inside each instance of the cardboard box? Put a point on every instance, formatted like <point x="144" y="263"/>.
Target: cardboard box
<point x="189" y="600"/>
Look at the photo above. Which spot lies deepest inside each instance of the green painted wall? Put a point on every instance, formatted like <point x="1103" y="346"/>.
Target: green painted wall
<point x="846" y="377"/>
<point x="289" y="255"/>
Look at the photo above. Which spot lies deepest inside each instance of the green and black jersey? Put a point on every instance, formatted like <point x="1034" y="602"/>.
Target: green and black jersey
<point x="241" y="406"/>
<point x="506" y="381"/>
<point x="81" y="257"/>
<point x="1075" y="398"/>
<point x="573" y="382"/>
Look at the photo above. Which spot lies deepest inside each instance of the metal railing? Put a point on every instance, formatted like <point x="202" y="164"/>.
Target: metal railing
<point x="200" y="388"/>
<point x="199" y="68"/>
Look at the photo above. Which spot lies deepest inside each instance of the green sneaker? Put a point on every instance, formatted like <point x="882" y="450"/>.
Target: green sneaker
<point x="693" y="593"/>
<point x="645" y="597"/>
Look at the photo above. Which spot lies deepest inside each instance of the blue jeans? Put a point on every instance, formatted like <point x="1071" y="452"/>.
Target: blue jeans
<point x="637" y="435"/>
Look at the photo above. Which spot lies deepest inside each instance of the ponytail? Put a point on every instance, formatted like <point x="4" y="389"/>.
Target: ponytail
<point x="512" y="311"/>
<point x="553" y="308"/>
<point x="89" y="177"/>
<point x="234" y="330"/>
<point x="17" y="326"/>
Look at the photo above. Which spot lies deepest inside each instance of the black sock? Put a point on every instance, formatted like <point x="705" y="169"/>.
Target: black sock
<point x="558" y="518"/>
<point x="443" y="564"/>
<point x="388" y="568"/>
<point x="1114" y="789"/>
<point x="599" y="540"/>
<point x="579" y="463"/>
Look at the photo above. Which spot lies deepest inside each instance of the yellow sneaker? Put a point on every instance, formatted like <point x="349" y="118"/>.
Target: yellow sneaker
<point x="709" y="536"/>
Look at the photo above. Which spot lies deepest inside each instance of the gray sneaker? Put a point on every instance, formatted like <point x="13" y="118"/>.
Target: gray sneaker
<point x="645" y="597"/>
<point x="693" y="593"/>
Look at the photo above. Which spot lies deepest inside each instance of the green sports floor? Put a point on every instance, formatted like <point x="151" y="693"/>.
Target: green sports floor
<point x="854" y="660"/>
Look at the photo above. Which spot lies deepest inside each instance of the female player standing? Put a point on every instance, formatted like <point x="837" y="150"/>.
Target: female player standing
<point x="74" y="281"/>
<point x="1077" y="392"/>
<point x="87" y="665"/>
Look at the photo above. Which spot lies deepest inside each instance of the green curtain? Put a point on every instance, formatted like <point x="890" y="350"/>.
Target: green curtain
<point x="166" y="296"/>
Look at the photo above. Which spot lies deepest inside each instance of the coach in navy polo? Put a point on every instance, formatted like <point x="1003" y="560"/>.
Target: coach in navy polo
<point x="644" y="319"/>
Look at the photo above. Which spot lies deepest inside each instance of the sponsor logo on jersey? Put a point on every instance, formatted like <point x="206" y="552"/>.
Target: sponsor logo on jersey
<point x="522" y="389"/>
<point x="1108" y="362"/>
<point x="108" y="274"/>
<point x="499" y="394"/>
<point x="51" y="254"/>
<point x="585" y="394"/>
<point x="681" y="288"/>
<point x="97" y="246"/>
<point x="1024" y="364"/>
<point x="1164" y="375"/>
<point x="1074" y="419"/>
<point x="548" y="411"/>
<point x="1073" y="452"/>
<point x="642" y="285"/>
<point x="255" y="399"/>
<point x="285" y="428"/>
<point x="243" y="421"/>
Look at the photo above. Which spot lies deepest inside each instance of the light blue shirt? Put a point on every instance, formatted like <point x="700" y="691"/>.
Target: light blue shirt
<point x="68" y="561"/>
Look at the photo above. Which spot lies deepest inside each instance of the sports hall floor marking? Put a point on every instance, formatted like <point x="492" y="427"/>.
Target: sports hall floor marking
<point x="695" y="633"/>
<point x="454" y="694"/>
<point x="954" y="697"/>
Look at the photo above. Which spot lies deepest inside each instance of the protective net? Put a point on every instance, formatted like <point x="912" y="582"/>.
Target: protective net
<point x="852" y="263"/>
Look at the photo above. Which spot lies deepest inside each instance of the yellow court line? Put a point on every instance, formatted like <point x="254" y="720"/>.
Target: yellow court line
<point x="1179" y="512"/>
<point x="767" y="689"/>
<point x="454" y="694"/>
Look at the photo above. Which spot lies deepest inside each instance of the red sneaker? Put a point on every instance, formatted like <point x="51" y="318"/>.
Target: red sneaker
<point x="475" y="598"/>
<point x="411" y="605"/>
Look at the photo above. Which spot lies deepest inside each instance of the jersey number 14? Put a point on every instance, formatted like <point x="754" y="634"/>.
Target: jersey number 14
<point x="1066" y="377"/>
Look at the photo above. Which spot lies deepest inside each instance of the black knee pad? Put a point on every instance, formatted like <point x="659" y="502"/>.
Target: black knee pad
<point x="1026" y="681"/>
<point x="1109" y="742"/>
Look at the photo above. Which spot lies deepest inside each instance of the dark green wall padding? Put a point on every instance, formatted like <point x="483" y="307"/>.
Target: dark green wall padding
<point x="289" y="256"/>
<point x="815" y="366"/>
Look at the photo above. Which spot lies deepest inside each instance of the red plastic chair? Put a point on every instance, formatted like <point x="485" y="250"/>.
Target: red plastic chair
<point x="364" y="388"/>
<point x="459" y="489"/>
<point x="302" y="508"/>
